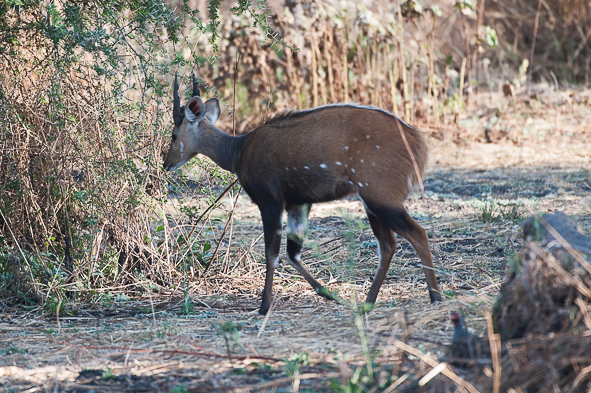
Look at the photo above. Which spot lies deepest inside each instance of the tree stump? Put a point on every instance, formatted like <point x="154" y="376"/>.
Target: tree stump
<point x="550" y="285"/>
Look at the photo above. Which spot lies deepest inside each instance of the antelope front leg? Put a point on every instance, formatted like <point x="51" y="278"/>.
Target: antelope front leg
<point x="271" y="215"/>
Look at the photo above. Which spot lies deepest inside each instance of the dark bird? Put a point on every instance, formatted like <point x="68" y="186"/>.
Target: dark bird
<point x="466" y="348"/>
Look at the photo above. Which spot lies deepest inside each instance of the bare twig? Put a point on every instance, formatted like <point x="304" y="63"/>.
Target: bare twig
<point x="533" y="46"/>
<point x="234" y="95"/>
<point x="266" y="319"/>
<point x="209" y="208"/>
<point x="495" y="349"/>
<point x="434" y="363"/>
<point x="412" y="158"/>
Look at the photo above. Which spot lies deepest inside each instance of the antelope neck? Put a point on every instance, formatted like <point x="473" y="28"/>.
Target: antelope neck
<point x="225" y="150"/>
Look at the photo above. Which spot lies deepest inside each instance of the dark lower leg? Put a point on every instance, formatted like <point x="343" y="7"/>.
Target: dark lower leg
<point x="386" y="247"/>
<point x="403" y="224"/>
<point x="271" y="216"/>
<point x="418" y="238"/>
<point x="268" y="291"/>
<point x="295" y="259"/>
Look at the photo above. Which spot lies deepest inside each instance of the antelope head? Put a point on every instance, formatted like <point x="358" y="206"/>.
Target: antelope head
<point x="191" y="122"/>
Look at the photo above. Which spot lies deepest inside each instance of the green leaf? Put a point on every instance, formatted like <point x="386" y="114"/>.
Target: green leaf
<point x="490" y="37"/>
<point x="436" y="10"/>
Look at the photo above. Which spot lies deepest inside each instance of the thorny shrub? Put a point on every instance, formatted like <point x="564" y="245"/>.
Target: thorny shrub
<point x="84" y="109"/>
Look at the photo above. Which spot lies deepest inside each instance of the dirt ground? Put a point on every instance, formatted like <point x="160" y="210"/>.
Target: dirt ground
<point x="486" y="174"/>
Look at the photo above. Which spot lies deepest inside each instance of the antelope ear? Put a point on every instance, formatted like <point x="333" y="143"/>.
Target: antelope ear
<point x="212" y="110"/>
<point x="194" y="110"/>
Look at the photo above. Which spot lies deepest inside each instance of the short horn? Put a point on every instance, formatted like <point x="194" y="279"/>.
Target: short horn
<point x="196" y="92"/>
<point x="177" y="114"/>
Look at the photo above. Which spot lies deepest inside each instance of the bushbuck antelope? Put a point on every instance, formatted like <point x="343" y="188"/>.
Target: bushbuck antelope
<point x="299" y="158"/>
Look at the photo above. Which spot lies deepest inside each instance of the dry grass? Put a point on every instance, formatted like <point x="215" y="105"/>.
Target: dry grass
<point x="159" y="316"/>
<point x="148" y="344"/>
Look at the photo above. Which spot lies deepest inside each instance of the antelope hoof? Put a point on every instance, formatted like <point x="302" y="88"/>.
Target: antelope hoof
<point x="325" y="293"/>
<point x="264" y="309"/>
<point x="435" y="296"/>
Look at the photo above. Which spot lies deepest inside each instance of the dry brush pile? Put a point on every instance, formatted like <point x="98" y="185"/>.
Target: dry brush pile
<point x="543" y="309"/>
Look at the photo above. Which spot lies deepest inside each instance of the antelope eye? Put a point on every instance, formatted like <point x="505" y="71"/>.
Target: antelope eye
<point x="173" y="138"/>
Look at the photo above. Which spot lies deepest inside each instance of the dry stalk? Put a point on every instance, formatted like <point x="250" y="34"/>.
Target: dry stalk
<point x="586" y="316"/>
<point x="234" y="95"/>
<point x="314" y="71"/>
<point x="248" y="251"/>
<point x="460" y="382"/>
<point x="231" y="221"/>
<point x="345" y="73"/>
<point x="479" y="37"/>
<point x="533" y="46"/>
<point x="207" y="211"/>
<point x="412" y="158"/>
<point x="468" y="56"/>
<point x="495" y="349"/>
<point x="461" y="92"/>
<point x="402" y="64"/>
<point x="327" y="56"/>
<point x="266" y="319"/>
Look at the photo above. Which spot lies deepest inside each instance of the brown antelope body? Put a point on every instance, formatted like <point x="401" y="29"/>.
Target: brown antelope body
<point x="299" y="158"/>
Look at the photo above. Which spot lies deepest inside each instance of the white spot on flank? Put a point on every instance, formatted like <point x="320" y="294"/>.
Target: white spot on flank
<point x="360" y="185"/>
<point x="362" y="160"/>
<point x="323" y="166"/>
<point x="377" y="146"/>
<point x="182" y="156"/>
<point x="286" y="168"/>
<point x="350" y="182"/>
<point x="353" y="170"/>
<point x="346" y="147"/>
<point x="373" y="164"/>
<point x="367" y="137"/>
<point x="338" y="163"/>
<point x="295" y="169"/>
<point x="354" y="139"/>
<point x="182" y="146"/>
<point x="306" y="167"/>
<point x="366" y="184"/>
<point x="346" y="166"/>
